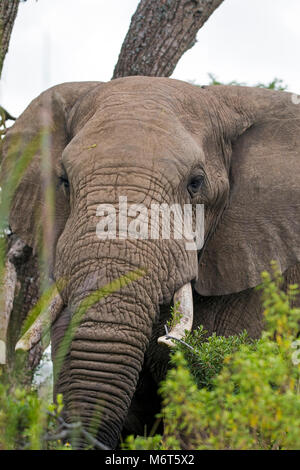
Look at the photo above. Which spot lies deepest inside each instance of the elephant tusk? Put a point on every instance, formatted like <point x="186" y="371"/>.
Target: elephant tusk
<point x="184" y="297"/>
<point x="41" y="325"/>
<point x="6" y="304"/>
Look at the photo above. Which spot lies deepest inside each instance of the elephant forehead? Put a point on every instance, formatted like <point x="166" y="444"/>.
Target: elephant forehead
<point x="157" y="98"/>
<point x="130" y="140"/>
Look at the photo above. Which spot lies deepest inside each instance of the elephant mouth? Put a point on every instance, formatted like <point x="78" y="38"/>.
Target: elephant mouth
<point x="183" y="321"/>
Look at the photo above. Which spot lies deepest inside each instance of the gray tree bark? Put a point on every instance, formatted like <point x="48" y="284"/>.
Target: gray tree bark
<point x="161" y="31"/>
<point x="8" y="13"/>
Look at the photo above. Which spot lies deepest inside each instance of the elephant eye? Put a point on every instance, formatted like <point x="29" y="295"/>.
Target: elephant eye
<point x="63" y="181"/>
<point x="195" y="184"/>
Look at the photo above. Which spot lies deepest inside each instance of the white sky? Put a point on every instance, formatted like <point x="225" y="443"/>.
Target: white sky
<point x="55" y="41"/>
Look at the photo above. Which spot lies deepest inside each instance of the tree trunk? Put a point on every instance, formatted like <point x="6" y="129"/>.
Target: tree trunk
<point x="161" y="31"/>
<point x="8" y="13"/>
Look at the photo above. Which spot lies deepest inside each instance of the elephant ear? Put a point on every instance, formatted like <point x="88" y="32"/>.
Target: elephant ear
<point x="261" y="221"/>
<point x="32" y="152"/>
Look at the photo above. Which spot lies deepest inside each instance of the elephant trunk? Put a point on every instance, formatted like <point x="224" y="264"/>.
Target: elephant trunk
<point x="103" y="377"/>
<point x="99" y="374"/>
<point x="104" y="360"/>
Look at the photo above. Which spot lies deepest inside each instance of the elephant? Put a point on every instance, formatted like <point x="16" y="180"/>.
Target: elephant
<point x="233" y="150"/>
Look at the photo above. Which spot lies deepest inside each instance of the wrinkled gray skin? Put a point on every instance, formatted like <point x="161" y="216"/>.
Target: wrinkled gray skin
<point x="148" y="139"/>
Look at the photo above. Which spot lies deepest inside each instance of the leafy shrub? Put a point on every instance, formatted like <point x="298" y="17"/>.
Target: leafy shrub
<point x="276" y="84"/>
<point x="233" y="393"/>
<point x="206" y="359"/>
<point x="26" y="420"/>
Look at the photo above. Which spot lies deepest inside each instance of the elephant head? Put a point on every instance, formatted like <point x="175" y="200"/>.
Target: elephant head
<point x="148" y="141"/>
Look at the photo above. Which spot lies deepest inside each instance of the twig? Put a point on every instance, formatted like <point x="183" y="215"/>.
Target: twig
<point x="177" y="339"/>
<point x="65" y="432"/>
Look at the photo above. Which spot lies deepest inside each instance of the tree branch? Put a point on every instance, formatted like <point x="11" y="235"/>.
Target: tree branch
<point x="8" y="13"/>
<point x="161" y="31"/>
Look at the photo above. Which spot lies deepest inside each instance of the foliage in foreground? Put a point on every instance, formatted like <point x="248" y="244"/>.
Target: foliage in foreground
<point x="226" y="393"/>
<point x="26" y="420"/>
<point x="246" y="394"/>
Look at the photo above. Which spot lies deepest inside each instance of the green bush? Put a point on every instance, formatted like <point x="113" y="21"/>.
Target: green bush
<point x="26" y="420"/>
<point x="276" y="84"/>
<point x="233" y="393"/>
